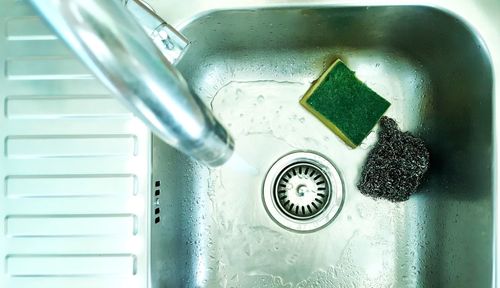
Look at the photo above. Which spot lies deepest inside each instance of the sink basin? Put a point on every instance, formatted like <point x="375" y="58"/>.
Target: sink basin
<point x="211" y="227"/>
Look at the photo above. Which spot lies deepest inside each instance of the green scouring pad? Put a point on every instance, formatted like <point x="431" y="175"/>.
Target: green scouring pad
<point x="344" y="104"/>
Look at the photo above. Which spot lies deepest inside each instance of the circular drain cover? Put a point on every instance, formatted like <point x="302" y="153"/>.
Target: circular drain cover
<point x="303" y="191"/>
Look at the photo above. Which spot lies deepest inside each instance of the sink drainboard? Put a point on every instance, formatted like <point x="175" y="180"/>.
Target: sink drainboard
<point x="303" y="191"/>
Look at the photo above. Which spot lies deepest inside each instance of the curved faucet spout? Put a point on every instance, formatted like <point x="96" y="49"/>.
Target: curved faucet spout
<point x="114" y="46"/>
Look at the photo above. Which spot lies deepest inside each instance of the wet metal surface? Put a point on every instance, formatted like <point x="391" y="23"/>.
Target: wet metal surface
<point x="252" y="66"/>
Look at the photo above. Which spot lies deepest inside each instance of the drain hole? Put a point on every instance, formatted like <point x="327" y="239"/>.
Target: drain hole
<point x="157" y="211"/>
<point x="157" y="220"/>
<point x="157" y="183"/>
<point x="303" y="191"/>
<point x="296" y="190"/>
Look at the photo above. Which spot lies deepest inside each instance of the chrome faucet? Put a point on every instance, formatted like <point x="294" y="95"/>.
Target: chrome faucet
<point x="107" y="36"/>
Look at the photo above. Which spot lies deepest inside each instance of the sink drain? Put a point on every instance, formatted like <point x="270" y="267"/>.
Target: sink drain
<point x="303" y="191"/>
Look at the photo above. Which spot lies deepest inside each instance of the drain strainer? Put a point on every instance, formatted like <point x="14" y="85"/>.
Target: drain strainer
<point x="303" y="191"/>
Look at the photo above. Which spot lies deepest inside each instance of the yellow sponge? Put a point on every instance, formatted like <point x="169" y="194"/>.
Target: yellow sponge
<point x="344" y="104"/>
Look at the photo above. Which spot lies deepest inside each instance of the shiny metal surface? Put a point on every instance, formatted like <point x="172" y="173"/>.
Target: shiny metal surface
<point x="74" y="168"/>
<point x="252" y="66"/>
<point x="171" y="43"/>
<point x="61" y="128"/>
<point x="119" y="53"/>
<point x="302" y="191"/>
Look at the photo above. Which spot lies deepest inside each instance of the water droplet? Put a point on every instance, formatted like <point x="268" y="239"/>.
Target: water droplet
<point x="361" y="211"/>
<point x="302" y="119"/>
<point x="260" y="99"/>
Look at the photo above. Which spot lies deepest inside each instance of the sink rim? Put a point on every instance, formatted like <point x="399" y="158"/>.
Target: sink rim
<point x="470" y="24"/>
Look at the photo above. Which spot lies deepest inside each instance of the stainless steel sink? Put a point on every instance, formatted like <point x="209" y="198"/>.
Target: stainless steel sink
<point x="88" y="199"/>
<point x="211" y="228"/>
